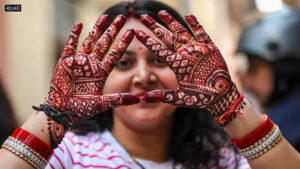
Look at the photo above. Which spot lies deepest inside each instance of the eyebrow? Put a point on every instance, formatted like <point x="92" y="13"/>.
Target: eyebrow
<point x="128" y="52"/>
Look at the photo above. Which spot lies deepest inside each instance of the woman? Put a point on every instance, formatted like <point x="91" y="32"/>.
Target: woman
<point x="140" y="71"/>
<point x="147" y="134"/>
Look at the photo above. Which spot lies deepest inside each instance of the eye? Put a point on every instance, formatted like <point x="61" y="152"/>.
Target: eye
<point x="123" y="64"/>
<point x="157" y="62"/>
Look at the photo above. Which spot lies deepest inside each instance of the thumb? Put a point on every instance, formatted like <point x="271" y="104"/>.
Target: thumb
<point x="165" y="96"/>
<point x="119" y="99"/>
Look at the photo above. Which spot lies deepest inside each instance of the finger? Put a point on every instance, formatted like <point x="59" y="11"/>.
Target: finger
<point x="165" y="96"/>
<point x="71" y="45"/>
<point x="160" y="50"/>
<point x="179" y="30"/>
<point x="179" y="97"/>
<point x="114" y="56"/>
<point x="94" y="34"/>
<point x="115" y="100"/>
<point x="198" y="30"/>
<point x="160" y="32"/>
<point x="107" y="38"/>
<point x="88" y="106"/>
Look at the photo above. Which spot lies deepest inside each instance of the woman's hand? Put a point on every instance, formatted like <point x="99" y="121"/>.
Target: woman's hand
<point x="79" y="78"/>
<point x="202" y="74"/>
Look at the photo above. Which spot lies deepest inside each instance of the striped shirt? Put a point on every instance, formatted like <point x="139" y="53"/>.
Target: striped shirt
<point x="102" y="151"/>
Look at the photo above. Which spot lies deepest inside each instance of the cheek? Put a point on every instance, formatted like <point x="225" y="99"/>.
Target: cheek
<point x="113" y="85"/>
<point x="167" y="77"/>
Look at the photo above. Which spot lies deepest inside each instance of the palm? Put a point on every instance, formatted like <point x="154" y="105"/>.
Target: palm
<point x="76" y="83"/>
<point x="79" y="78"/>
<point x="200" y="69"/>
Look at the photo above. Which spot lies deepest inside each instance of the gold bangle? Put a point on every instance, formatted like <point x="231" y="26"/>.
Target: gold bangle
<point x="259" y="142"/>
<point x="262" y="147"/>
<point x="24" y="152"/>
<point x="267" y="149"/>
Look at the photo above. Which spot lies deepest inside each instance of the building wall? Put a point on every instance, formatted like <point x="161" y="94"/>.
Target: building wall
<point x="27" y="61"/>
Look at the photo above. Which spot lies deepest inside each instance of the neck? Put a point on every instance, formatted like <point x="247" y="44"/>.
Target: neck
<point x="148" y="145"/>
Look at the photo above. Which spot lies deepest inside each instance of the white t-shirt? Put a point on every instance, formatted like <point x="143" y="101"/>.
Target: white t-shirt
<point x="102" y="151"/>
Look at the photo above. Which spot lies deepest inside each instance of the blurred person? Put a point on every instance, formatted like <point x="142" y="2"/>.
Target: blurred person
<point x="271" y="46"/>
<point x="155" y="100"/>
<point x="8" y="122"/>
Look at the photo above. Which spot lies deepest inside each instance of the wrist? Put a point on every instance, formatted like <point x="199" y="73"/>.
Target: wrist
<point x="227" y="106"/>
<point x="244" y="123"/>
<point x="259" y="141"/>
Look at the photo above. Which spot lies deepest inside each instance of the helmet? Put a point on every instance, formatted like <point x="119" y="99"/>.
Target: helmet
<point x="275" y="38"/>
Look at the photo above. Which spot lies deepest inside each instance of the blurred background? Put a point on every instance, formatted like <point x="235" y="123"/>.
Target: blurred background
<point x="33" y="39"/>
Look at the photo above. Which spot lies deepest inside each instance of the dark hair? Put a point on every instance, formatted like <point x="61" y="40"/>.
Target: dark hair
<point x="7" y="119"/>
<point x="196" y="136"/>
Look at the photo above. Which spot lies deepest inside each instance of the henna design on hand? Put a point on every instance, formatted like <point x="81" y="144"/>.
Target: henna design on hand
<point x="202" y="74"/>
<point x="78" y="80"/>
<point x="56" y="132"/>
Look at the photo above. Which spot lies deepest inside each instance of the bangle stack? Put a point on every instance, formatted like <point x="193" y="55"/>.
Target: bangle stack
<point x="260" y="141"/>
<point x="28" y="147"/>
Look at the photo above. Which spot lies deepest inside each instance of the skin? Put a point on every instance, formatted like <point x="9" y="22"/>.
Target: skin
<point x="258" y="79"/>
<point x="139" y="71"/>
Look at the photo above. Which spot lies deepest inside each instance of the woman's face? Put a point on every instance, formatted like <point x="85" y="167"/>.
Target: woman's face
<point x="138" y="72"/>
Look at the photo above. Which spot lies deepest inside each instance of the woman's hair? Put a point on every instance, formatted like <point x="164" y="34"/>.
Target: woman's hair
<point x="196" y="137"/>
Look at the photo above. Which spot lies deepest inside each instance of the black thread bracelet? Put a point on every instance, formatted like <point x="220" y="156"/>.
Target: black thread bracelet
<point x="55" y="115"/>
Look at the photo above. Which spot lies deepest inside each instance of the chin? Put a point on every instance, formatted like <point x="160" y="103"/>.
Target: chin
<point x="146" y="116"/>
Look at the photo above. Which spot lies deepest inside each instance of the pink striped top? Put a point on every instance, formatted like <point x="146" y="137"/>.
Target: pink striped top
<point x="102" y="151"/>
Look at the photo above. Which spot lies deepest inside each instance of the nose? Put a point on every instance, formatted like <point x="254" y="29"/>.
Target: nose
<point x="144" y="75"/>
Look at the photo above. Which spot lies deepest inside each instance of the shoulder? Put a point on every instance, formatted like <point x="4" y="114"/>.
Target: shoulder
<point x="230" y="159"/>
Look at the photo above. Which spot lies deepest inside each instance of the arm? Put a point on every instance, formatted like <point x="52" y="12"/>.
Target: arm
<point x="76" y="86"/>
<point x="37" y="125"/>
<point x="282" y="156"/>
<point x="204" y="82"/>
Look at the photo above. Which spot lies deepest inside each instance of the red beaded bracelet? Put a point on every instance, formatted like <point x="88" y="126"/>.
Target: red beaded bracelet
<point x="33" y="142"/>
<point x="255" y="135"/>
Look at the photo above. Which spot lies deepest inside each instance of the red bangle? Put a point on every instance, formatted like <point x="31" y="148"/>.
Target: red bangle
<point x="255" y="135"/>
<point x="33" y="142"/>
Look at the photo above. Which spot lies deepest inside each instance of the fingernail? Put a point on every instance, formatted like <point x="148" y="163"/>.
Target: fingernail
<point x="191" y="19"/>
<point x="129" y="99"/>
<point x="119" y="21"/>
<point x="77" y="28"/>
<point x="128" y="36"/>
<point x="102" y="21"/>
<point x="147" y="20"/>
<point x="153" y="97"/>
<point x="165" y="16"/>
<point x="141" y="35"/>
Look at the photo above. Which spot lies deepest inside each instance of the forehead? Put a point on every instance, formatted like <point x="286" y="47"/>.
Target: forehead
<point x="133" y="23"/>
